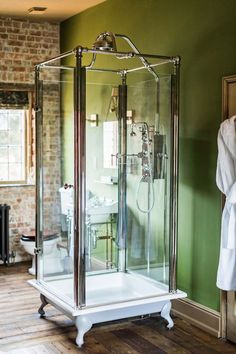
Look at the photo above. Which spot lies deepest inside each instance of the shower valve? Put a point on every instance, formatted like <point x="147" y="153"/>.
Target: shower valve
<point x="140" y="155"/>
<point x="145" y="153"/>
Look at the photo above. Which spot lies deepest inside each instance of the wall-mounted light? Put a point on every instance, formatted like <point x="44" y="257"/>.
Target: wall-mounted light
<point x="130" y="116"/>
<point x="37" y="10"/>
<point x="93" y="120"/>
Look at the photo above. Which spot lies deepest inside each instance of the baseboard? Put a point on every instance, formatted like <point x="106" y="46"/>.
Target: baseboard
<point x="200" y="316"/>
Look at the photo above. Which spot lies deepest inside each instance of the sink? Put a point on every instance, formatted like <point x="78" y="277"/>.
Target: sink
<point x="100" y="212"/>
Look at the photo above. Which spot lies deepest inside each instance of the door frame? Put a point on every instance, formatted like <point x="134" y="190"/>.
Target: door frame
<point x="226" y="82"/>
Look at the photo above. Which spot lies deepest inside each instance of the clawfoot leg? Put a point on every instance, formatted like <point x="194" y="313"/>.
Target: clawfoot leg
<point x="44" y="303"/>
<point x="83" y="325"/>
<point x="165" y="313"/>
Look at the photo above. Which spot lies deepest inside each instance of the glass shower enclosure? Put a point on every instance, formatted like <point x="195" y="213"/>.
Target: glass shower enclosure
<point x="107" y="183"/>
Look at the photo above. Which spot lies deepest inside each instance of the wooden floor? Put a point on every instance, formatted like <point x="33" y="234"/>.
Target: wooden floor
<point x="23" y="332"/>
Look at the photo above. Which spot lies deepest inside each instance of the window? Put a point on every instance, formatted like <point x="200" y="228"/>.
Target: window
<point x="15" y="137"/>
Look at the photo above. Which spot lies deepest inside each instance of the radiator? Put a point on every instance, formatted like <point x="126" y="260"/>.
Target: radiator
<point x="4" y="233"/>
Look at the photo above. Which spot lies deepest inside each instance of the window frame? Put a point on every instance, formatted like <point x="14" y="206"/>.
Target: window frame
<point x="29" y="139"/>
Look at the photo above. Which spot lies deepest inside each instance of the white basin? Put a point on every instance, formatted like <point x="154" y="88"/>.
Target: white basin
<point x="101" y="213"/>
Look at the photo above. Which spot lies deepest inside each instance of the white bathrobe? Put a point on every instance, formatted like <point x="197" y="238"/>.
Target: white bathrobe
<point x="226" y="182"/>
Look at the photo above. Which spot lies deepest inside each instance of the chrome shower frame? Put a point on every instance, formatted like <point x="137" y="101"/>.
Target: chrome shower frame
<point x="80" y="158"/>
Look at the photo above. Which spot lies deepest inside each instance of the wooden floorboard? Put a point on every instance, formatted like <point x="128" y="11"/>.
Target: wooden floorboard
<point x="22" y="331"/>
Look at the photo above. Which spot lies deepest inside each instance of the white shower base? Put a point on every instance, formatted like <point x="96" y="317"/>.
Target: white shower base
<point x="109" y="297"/>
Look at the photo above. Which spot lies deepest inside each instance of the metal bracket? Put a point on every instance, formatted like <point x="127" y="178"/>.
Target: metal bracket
<point x="37" y="108"/>
<point x="37" y="250"/>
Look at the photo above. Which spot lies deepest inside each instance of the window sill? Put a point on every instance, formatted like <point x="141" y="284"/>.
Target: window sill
<point x="17" y="185"/>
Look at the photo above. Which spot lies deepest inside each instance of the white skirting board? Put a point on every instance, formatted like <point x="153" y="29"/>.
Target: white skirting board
<point x="200" y="316"/>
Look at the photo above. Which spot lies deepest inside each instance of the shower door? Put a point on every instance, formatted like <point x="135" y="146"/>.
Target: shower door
<point x="148" y="176"/>
<point x="101" y="172"/>
<point x="55" y="168"/>
<point x="128" y="174"/>
<point x="129" y="162"/>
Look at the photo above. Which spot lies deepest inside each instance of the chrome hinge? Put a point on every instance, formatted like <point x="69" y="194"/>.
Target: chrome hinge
<point x="37" y="250"/>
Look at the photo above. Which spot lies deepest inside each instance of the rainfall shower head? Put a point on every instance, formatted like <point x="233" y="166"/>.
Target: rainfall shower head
<point x="105" y="41"/>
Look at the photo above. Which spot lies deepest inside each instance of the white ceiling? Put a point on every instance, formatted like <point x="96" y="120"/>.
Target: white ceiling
<point x="57" y="10"/>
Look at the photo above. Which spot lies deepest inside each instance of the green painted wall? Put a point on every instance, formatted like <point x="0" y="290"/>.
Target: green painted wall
<point x="203" y="34"/>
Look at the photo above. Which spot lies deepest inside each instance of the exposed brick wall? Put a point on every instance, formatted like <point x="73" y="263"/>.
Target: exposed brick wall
<point x="22" y="214"/>
<point x="51" y="158"/>
<point x="22" y="45"/>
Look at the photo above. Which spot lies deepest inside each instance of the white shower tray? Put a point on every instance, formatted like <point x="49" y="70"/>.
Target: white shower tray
<point x="110" y="297"/>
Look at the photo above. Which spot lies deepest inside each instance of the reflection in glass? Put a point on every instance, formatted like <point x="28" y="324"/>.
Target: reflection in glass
<point x="110" y="141"/>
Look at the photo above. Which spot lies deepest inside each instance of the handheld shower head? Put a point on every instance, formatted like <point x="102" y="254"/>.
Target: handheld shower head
<point x="132" y="133"/>
<point x="105" y="41"/>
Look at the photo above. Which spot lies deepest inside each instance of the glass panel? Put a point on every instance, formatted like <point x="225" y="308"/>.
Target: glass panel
<point x="4" y="137"/>
<point x="16" y="120"/>
<point x="148" y="142"/>
<point x="16" y="154"/>
<point x="57" y="262"/>
<point x="15" y="137"/>
<point x="15" y="172"/>
<point x="12" y="143"/>
<point x="101" y="177"/>
<point x="140" y="268"/>
<point x="110" y="144"/>
<point x="3" y="154"/>
<point x="3" y="171"/>
<point x="3" y="120"/>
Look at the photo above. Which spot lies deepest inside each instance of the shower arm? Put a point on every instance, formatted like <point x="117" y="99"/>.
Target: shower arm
<point x="148" y="67"/>
<point x="135" y="49"/>
<point x="92" y="61"/>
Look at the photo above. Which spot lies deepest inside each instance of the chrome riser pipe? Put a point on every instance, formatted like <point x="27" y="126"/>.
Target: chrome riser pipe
<point x="174" y="173"/>
<point x="39" y="170"/>
<point x="122" y="175"/>
<point x="79" y="180"/>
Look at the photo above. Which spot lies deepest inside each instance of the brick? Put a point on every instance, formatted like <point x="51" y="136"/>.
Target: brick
<point x="8" y="62"/>
<point x="19" y="69"/>
<point x="21" y="37"/>
<point x="12" y="36"/>
<point x="16" y="23"/>
<point x="30" y="38"/>
<point x="7" y="22"/>
<point x="14" y="43"/>
<point x="13" y="30"/>
<point x="35" y="33"/>
<point x="25" y="25"/>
